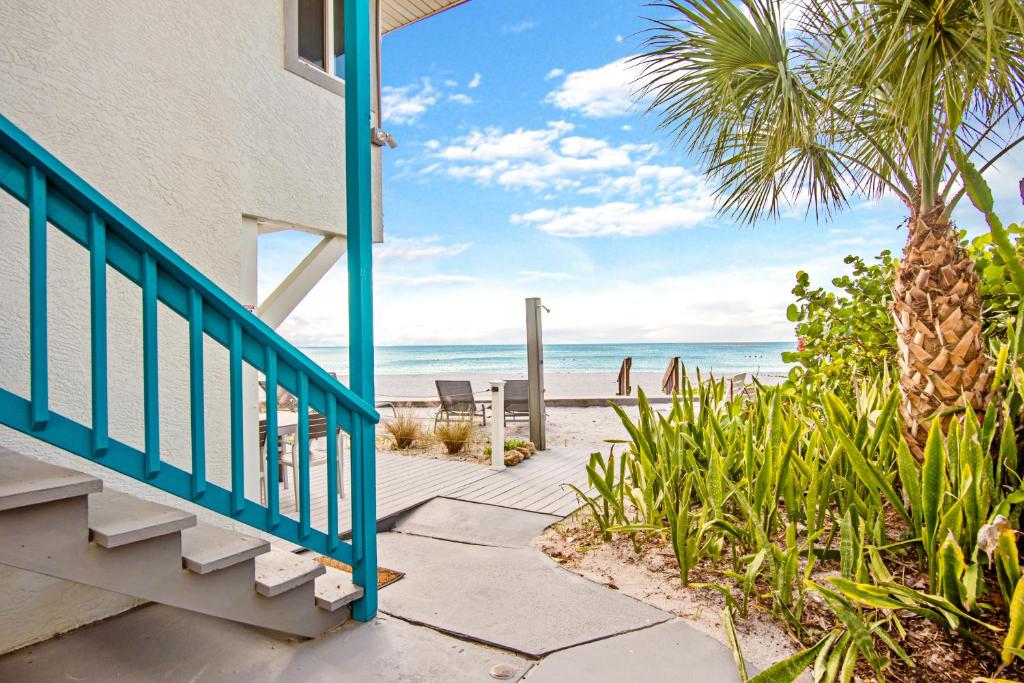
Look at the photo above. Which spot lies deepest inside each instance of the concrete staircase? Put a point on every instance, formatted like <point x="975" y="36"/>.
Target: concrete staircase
<point x="60" y="522"/>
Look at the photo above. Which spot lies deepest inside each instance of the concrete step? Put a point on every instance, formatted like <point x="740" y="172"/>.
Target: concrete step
<point x="117" y="519"/>
<point x="206" y="548"/>
<point x="278" y="571"/>
<point x="27" y="481"/>
<point x="335" y="589"/>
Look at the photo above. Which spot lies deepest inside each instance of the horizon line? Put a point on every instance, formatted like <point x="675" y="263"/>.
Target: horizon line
<point x="638" y="343"/>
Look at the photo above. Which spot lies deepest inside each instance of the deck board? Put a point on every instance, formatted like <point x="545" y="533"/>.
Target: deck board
<point x="406" y="481"/>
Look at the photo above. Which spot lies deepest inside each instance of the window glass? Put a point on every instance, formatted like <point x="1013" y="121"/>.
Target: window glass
<point x="339" y="38"/>
<point x="311" y="31"/>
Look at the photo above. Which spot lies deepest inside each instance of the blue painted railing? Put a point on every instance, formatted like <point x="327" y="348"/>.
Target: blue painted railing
<point x="55" y="194"/>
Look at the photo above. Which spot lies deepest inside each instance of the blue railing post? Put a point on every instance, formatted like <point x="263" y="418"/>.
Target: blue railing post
<point x="98" y="325"/>
<point x="359" y="228"/>
<point x="39" y="407"/>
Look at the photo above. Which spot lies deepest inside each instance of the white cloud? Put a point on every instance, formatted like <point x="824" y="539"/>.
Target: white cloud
<point x="475" y="81"/>
<point x="539" y="159"/>
<point x="618" y="39"/>
<point x="421" y="280"/>
<point x="598" y="93"/>
<point x="617" y="219"/>
<point x="554" y="73"/>
<point x="461" y="98"/>
<point x="541" y="275"/>
<point x="405" y="104"/>
<point x="519" y="27"/>
<point x="408" y="249"/>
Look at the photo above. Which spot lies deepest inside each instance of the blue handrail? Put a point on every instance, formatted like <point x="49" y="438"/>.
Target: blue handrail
<point x="55" y="194"/>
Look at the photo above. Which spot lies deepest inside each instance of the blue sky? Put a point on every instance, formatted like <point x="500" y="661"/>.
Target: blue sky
<point x="524" y="168"/>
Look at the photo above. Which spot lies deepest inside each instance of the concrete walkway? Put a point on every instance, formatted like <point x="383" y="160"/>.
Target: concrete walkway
<point x="476" y="600"/>
<point x="515" y="598"/>
<point x="158" y="643"/>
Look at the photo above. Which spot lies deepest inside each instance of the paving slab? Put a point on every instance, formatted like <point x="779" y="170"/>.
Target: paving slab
<point x="673" y="651"/>
<point x="465" y="522"/>
<point x="159" y="643"/>
<point x="515" y="598"/>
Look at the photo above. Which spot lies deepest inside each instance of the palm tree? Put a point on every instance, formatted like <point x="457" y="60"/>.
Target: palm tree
<point x="823" y="101"/>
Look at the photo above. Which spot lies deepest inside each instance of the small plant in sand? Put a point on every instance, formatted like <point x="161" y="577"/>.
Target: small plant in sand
<point x="454" y="436"/>
<point x="404" y="430"/>
<point x="516" y="450"/>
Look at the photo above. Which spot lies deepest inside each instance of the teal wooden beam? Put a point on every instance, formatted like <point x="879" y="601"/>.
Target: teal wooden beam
<point x="39" y="380"/>
<point x="98" y="325"/>
<point x="359" y="232"/>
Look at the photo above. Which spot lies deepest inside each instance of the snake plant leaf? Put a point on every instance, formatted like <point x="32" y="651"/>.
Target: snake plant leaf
<point x="951" y="571"/>
<point x="734" y="644"/>
<point x="856" y="627"/>
<point x="1015" y="632"/>
<point x="910" y="477"/>
<point x="870" y="475"/>
<point x="1008" y="571"/>
<point x="789" y="669"/>
<point x="933" y="483"/>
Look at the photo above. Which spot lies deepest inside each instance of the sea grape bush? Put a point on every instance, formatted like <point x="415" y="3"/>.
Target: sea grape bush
<point x="846" y="331"/>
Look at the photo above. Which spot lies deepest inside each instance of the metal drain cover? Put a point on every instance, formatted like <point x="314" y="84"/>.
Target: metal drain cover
<point x="503" y="672"/>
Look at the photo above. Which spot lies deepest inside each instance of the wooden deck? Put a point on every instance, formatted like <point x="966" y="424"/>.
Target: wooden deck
<point x="404" y="482"/>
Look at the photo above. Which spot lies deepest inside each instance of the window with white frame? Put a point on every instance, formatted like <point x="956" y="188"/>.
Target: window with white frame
<point x="315" y="41"/>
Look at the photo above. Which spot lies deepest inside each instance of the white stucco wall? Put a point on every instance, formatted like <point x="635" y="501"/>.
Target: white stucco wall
<point x="182" y="113"/>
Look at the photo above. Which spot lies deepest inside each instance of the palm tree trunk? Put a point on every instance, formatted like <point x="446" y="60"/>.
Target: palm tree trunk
<point x="937" y="310"/>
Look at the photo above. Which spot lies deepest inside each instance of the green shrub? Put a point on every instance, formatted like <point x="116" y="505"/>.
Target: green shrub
<point x="847" y="331"/>
<point x="510" y="444"/>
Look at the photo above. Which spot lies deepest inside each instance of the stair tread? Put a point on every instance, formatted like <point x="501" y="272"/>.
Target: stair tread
<point x="206" y="548"/>
<point x="27" y="481"/>
<point x="278" y="571"/>
<point x="116" y="519"/>
<point x="335" y="589"/>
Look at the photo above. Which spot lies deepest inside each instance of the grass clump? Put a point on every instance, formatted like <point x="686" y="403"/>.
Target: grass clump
<point x="404" y="430"/>
<point x="454" y="436"/>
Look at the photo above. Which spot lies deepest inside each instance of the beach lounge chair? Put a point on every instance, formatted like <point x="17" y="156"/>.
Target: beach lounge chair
<point x="517" y="399"/>
<point x="457" y="401"/>
<point x="317" y="430"/>
<point x="742" y="385"/>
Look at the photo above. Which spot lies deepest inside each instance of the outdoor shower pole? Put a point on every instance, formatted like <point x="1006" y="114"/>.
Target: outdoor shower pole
<point x="535" y="367"/>
<point x="497" y="425"/>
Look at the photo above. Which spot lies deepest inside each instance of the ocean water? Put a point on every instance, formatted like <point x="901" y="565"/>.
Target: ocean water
<point x="718" y="358"/>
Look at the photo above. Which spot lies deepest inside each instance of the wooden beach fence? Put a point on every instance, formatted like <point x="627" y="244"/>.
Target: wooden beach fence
<point x="670" y="381"/>
<point x="624" y="386"/>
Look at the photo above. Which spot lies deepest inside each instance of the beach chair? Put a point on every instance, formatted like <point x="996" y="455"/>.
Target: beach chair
<point x="289" y="458"/>
<point x="457" y="401"/>
<point x="517" y="399"/>
<point x="742" y="385"/>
